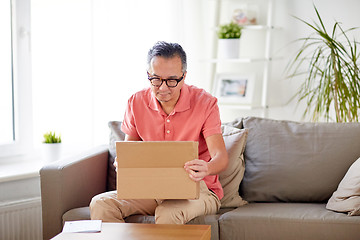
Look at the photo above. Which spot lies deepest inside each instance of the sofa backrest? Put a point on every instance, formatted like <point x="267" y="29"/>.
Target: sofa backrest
<point x="289" y="161"/>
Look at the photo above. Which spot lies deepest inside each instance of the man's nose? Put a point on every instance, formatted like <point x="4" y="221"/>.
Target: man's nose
<point x="163" y="86"/>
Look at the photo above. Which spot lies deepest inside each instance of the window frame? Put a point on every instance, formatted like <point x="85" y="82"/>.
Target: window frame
<point x="22" y="84"/>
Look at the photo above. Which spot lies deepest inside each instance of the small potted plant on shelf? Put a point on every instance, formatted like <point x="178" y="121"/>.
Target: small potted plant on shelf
<point x="51" y="146"/>
<point x="229" y="40"/>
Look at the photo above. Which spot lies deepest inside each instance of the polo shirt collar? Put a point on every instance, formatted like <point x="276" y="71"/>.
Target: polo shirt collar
<point x="183" y="103"/>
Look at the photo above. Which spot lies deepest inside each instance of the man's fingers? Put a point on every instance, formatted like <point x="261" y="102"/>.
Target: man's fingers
<point x="196" y="168"/>
<point x="195" y="176"/>
<point x="194" y="162"/>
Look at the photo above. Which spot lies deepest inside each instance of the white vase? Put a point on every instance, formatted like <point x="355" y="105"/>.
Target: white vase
<point x="51" y="152"/>
<point x="228" y="48"/>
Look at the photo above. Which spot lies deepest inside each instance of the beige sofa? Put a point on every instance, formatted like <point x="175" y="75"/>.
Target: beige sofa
<point x="291" y="171"/>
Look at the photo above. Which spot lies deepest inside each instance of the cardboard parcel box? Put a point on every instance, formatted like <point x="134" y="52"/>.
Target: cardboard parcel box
<point x="155" y="170"/>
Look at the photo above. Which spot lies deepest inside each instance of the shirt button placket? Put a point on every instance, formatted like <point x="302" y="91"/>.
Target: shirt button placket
<point x="168" y="127"/>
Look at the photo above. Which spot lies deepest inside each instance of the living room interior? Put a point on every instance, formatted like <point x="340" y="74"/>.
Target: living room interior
<point x="76" y="63"/>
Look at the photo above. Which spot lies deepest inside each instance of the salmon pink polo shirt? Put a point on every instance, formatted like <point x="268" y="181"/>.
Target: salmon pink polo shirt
<point x="195" y="117"/>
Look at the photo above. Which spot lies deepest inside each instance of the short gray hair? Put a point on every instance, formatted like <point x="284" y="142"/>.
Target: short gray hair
<point x="167" y="50"/>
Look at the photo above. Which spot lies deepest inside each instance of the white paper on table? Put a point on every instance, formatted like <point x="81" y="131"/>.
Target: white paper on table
<point x="82" y="226"/>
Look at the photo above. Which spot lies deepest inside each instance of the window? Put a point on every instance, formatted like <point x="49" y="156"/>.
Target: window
<point x="15" y="78"/>
<point x="6" y="80"/>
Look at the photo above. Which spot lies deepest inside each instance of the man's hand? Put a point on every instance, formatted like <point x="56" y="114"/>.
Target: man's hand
<point x="197" y="169"/>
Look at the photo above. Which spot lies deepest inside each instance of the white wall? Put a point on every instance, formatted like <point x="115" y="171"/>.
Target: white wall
<point x="90" y="55"/>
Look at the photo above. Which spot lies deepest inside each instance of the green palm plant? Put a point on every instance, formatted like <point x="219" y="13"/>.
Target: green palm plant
<point x="332" y="80"/>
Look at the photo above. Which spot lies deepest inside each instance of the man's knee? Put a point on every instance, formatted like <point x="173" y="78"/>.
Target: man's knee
<point x="102" y="208"/>
<point x="94" y="201"/>
<point x="97" y="207"/>
<point x="98" y="201"/>
<point x="169" y="215"/>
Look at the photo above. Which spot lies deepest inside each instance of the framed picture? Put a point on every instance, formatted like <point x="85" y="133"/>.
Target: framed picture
<point x="234" y="88"/>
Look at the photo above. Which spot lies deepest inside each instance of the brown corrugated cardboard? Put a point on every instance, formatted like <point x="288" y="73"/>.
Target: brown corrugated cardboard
<point x="155" y="170"/>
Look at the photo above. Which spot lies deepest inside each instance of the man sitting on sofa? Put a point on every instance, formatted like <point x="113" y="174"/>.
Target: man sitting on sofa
<point x="170" y="110"/>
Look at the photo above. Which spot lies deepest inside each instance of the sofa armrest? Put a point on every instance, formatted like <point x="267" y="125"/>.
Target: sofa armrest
<point x="70" y="183"/>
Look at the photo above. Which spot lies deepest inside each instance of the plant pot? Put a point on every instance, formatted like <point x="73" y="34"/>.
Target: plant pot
<point x="228" y="48"/>
<point x="51" y="152"/>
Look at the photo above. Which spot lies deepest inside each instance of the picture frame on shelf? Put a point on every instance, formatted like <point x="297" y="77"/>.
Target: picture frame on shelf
<point x="232" y="88"/>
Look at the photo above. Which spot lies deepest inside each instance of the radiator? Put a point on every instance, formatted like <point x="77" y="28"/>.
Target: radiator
<point x="21" y="220"/>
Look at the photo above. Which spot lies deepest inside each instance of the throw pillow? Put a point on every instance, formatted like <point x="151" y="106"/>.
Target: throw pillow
<point x="115" y="135"/>
<point x="230" y="179"/>
<point x="347" y="196"/>
<point x="237" y="123"/>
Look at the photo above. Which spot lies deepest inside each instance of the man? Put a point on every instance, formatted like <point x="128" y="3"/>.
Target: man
<point x="171" y="110"/>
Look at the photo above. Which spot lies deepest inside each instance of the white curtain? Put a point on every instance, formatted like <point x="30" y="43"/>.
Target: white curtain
<point x="89" y="56"/>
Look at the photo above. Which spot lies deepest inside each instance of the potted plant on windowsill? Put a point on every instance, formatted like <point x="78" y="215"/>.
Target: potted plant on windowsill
<point x="51" y="146"/>
<point x="229" y="40"/>
<point x="332" y="78"/>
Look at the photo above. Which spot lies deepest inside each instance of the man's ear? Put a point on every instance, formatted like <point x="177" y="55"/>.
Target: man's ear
<point x="185" y="75"/>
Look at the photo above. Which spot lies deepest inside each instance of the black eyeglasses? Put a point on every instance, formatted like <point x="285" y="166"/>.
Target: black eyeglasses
<point x="158" y="81"/>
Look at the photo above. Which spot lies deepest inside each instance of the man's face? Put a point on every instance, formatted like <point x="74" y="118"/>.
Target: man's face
<point x="166" y="68"/>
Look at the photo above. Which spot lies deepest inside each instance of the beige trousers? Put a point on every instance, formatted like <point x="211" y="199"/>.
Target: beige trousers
<point x="108" y="208"/>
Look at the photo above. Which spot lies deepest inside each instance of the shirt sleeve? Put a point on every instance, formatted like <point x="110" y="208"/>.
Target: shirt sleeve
<point x="212" y="124"/>
<point x="128" y="125"/>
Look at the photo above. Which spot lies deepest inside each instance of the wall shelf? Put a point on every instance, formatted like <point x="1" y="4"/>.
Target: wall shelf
<point x="254" y="27"/>
<point x="266" y="58"/>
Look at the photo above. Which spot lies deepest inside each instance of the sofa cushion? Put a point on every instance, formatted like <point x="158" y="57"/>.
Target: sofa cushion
<point x="76" y="214"/>
<point x="235" y="140"/>
<point x="115" y="135"/>
<point x="295" y="221"/>
<point x="347" y="197"/>
<point x="296" y="162"/>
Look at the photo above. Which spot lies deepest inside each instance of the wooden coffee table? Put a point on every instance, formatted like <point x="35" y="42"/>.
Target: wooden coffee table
<point x="132" y="231"/>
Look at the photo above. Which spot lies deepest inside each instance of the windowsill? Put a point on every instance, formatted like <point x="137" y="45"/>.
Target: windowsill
<point x="20" y="167"/>
<point x="28" y="166"/>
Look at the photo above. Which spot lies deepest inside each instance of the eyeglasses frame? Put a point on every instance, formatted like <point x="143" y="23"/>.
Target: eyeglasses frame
<point x="165" y="80"/>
